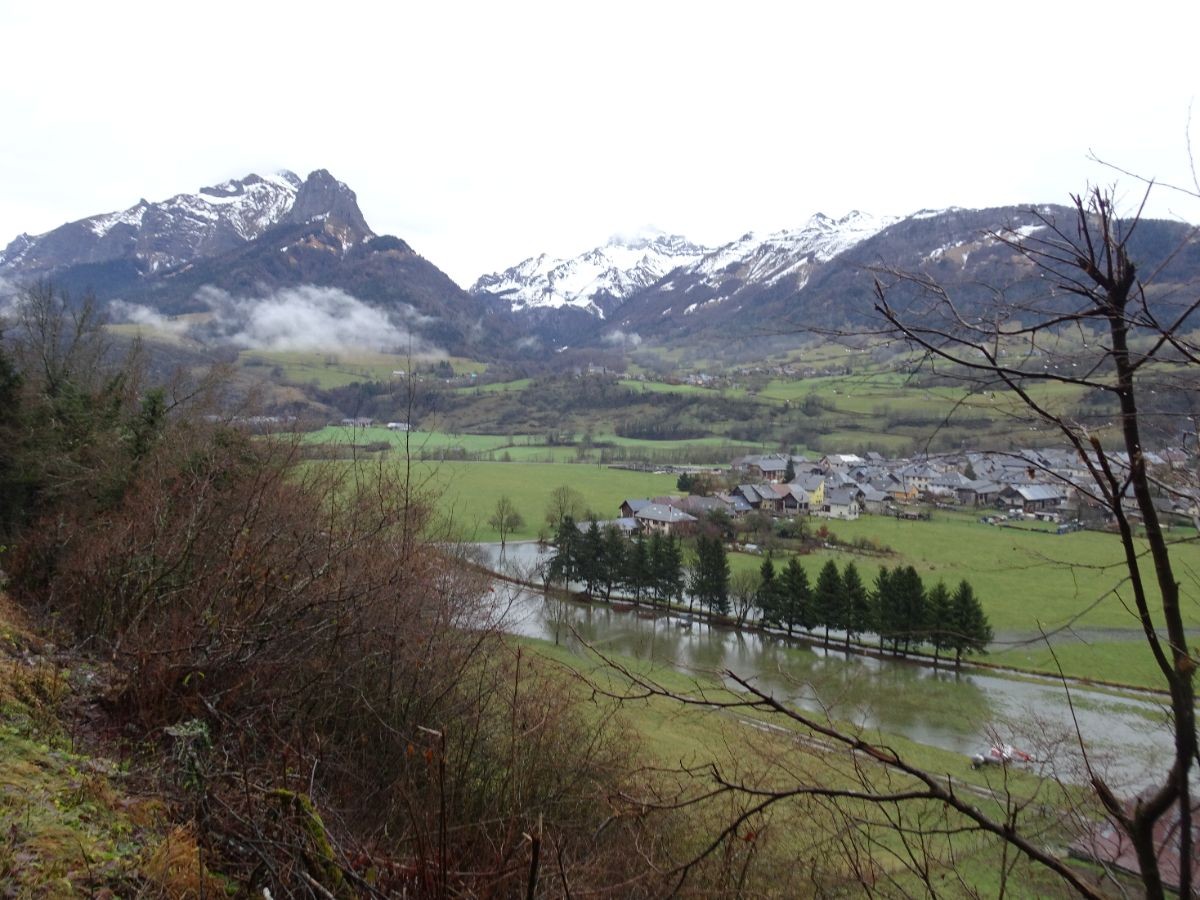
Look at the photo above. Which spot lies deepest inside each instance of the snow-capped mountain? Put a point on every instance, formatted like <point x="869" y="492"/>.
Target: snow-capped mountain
<point x="596" y="281"/>
<point x="788" y="254"/>
<point x="255" y="243"/>
<point x="187" y="227"/>
<point x="662" y="283"/>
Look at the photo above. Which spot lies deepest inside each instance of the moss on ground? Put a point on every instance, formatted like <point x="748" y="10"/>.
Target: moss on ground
<point x="70" y="822"/>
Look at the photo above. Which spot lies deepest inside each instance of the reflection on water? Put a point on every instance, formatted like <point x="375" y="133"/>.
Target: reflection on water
<point x="1126" y="735"/>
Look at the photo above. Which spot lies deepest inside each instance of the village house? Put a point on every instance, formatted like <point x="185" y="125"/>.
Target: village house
<point x="701" y="506"/>
<point x="873" y="500"/>
<point x="978" y="493"/>
<point x="813" y="488"/>
<point x="841" y="503"/>
<point x="735" y="504"/>
<point x="630" y="507"/>
<point x="770" y="467"/>
<point x="1032" y="497"/>
<point x="667" y="520"/>
<point x="762" y="497"/>
<point x="626" y="526"/>
<point x="840" y="462"/>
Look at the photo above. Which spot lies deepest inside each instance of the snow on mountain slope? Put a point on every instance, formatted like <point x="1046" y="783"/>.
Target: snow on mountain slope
<point x="176" y="230"/>
<point x="769" y="260"/>
<point x="623" y="267"/>
<point x="609" y="273"/>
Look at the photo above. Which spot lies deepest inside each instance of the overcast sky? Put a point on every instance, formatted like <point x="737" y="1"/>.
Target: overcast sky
<point x="486" y="133"/>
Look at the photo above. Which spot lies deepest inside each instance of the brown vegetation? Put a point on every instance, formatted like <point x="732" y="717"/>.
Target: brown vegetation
<point x="327" y="700"/>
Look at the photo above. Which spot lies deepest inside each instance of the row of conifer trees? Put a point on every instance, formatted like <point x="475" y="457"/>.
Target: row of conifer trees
<point x="897" y="606"/>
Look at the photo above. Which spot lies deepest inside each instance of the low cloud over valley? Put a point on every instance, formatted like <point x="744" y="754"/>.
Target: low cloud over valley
<point x="306" y="317"/>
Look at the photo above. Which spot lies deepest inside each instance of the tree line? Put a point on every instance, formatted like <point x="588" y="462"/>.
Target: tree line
<point x="898" y="608"/>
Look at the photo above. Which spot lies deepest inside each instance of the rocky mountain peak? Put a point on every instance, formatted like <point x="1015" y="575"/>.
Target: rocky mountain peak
<point x="323" y="197"/>
<point x="160" y="235"/>
<point x="236" y="187"/>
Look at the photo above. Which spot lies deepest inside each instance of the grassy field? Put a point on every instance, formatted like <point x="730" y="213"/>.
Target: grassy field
<point x="468" y="492"/>
<point x="496" y="387"/>
<point x="1069" y="586"/>
<point x="339" y="368"/>
<point x="518" y="447"/>
<point x="1027" y="579"/>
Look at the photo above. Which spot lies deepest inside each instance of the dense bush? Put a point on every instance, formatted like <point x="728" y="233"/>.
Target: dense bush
<point x="334" y="697"/>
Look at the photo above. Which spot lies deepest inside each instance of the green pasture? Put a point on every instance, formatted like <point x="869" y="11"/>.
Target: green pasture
<point x="497" y="387"/>
<point x="1116" y="661"/>
<point x="501" y="447"/>
<point x="518" y="447"/>
<point x="337" y="368"/>
<point x="417" y="441"/>
<point x="1072" y="587"/>
<point x="1026" y="579"/>
<point x="736" y="447"/>
<point x="467" y="491"/>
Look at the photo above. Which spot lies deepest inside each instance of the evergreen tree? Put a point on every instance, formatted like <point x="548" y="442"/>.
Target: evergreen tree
<point x="939" y="625"/>
<point x="670" y="572"/>
<point x="613" y="551"/>
<point x="971" y="630"/>
<point x="710" y="578"/>
<point x="591" y="558"/>
<point x="797" y="598"/>
<point x="564" y="566"/>
<point x="884" y="613"/>
<point x="769" y="597"/>
<point x="789" y="473"/>
<point x="637" y="568"/>
<point x="654" y="566"/>
<point x="910" y="605"/>
<point x="858" y="603"/>
<point x="829" y="599"/>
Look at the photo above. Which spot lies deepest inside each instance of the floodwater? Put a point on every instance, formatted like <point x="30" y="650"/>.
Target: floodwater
<point x="1126" y="736"/>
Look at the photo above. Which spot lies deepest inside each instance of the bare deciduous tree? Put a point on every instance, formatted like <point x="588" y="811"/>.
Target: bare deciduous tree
<point x="1093" y="323"/>
<point x="1095" y="289"/>
<point x="505" y="519"/>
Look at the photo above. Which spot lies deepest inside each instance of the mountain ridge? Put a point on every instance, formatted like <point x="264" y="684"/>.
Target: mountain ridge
<point x="253" y="236"/>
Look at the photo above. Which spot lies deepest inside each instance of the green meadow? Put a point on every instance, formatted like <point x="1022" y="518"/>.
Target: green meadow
<point x="1071" y="587"/>
<point x="467" y="492"/>
<point x="339" y="368"/>
<point x="509" y="447"/>
<point x="1030" y="580"/>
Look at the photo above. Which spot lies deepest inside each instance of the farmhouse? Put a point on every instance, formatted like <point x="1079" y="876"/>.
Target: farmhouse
<point x="655" y="517"/>
<point x="701" y="506"/>
<point x="874" y="500"/>
<point x="840" y="462"/>
<point x="630" y="507"/>
<point x="978" y="493"/>
<point x="771" y="467"/>
<point x="813" y="487"/>
<point x="1032" y="497"/>
<point x="841" y="503"/>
